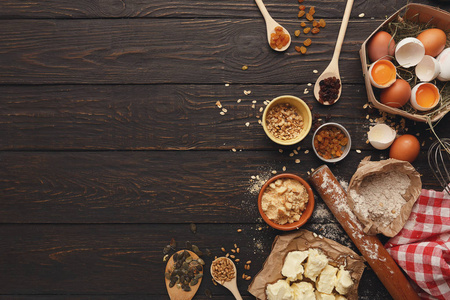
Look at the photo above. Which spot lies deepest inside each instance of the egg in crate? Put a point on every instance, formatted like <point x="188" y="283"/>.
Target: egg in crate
<point x="382" y="74"/>
<point x="397" y="94"/>
<point x="381" y="45"/>
<point x="433" y="40"/>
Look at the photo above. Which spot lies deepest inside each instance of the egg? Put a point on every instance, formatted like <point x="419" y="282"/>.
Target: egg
<point x="380" y="46"/>
<point x="397" y="94"/>
<point x="433" y="40"/>
<point x="405" y="147"/>
<point x="444" y="62"/>
<point x="425" y="96"/>
<point x="382" y="73"/>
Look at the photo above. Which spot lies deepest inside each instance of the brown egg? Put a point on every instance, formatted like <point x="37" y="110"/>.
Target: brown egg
<point x="380" y="45"/>
<point x="433" y="40"/>
<point x="397" y="94"/>
<point x="406" y="147"/>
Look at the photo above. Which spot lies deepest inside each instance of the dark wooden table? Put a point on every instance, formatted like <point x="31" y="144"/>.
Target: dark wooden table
<point x="112" y="143"/>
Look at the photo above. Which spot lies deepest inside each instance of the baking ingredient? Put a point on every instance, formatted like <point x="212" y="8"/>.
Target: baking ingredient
<point x="284" y="121"/>
<point x="409" y="52"/>
<point x="428" y="68"/>
<point x="297" y="32"/>
<point x="315" y="30"/>
<point x="284" y="201"/>
<point x="382" y="73"/>
<point x="322" y="23"/>
<point x="307" y="42"/>
<point x="303" y="290"/>
<point x="343" y="281"/>
<point x="433" y="40"/>
<point x="444" y="62"/>
<point x="323" y="296"/>
<point x="315" y="264"/>
<point x="329" y="142"/>
<point x="379" y="197"/>
<point x="186" y="271"/>
<point x="329" y="90"/>
<point x="301" y="13"/>
<point x="381" y="45"/>
<point x="339" y="297"/>
<point x="222" y="270"/>
<point x="279" y="290"/>
<point x="306" y="30"/>
<point x="381" y="136"/>
<point x="406" y="147"/>
<point x="292" y="267"/>
<point x="327" y="279"/>
<point x="279" y="38"/>
<point x="425" y="96"/>
<point x="397" y="94"/>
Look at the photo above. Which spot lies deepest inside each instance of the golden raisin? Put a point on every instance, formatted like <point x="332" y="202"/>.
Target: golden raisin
<point x="297" y="32"/>
<point x="301" y="13"/>
<point x="315" y="23"/>
<point x="322" y="23"/>
<point x="315" y="30"/>
<point x="278" y="39"/>
<point x="307" y="42"/>
<point x="303" y="24"/>
<point x="302" y="7"/>
<point x="312" y="10"/>
<point x="306" y="30"/>
<point x="329" y="142"/>
<point x="297" y="48"/>
<point x="303" y="49"/>
<point x="309" y="17"/>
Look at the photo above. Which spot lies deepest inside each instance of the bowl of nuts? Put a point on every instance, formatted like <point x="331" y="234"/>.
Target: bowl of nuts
<point x="287" y="120"/>
<point x="331" y="142"/>
<point x="286" y="202"/>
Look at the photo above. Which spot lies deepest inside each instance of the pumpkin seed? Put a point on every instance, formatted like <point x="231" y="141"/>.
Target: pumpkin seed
<point x="175" y="257"/>
<point x="189" y="259"/>
<point x="198" y="276"/>
<point x="188" y="245"/>
<point x="166" y="249"/>
<point x="186" y="288"/>
<point x="193" y="228"/>
<point x="167" y="275"/>
<point x="199" y="268"/>
<point x="197" y="250"/>
<point x="201" y="261"/>
<point x="193" y="282"/>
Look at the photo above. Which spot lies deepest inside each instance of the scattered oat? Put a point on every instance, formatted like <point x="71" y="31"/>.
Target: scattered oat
<point x="253" y="105"/>
<point x="423" y="143"/>
<point x="309" y="84"/>
<point x="308" y="172"/>
<point x="291" y="154"/>
<point x="358" y="151"/>
<point x="222" y="113"/>
<point x="247" y="92"/>
<point x="247" y="124"/>
<point x="234" y="149"/>
<point x="237" y="260"/>
<point x="370" y="120"/>
<point x="227" y="84"/>
<point x="298" y="148"/>
<point x="254" y="101"/>
<point x="315" y="71"/>
<point x="306" y="151"/>
<point x="238" y="100"/>
<point x="297" y="161"/>
<point x="361" y="15"/>
<point x="367" y="117"/>
<point x="224" y="110"/>
<point x="295" y="152"/>
<point x="365" y="105"/>
<point x="238" y="250"/>
<point x="280" y="150"/>
<point x="367" y="142"/>
<point x="259" y="121"/>
<point x="284" y="168"/>
<point x="223" y="249"/>
<point x="261" y="109"/>
<point x="274" y="172"/>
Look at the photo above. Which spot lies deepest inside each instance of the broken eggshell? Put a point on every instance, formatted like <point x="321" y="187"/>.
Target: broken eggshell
<point x="421" y="95"/>
<point x="428" y="68"/>
<point x="381" y="136"/>
<point x="409" y="52"/>
<point x="444" y="62"/>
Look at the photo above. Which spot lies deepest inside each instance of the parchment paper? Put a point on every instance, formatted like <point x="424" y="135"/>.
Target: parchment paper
<point x="338" y="255"/>
<point x="368" y="168"/>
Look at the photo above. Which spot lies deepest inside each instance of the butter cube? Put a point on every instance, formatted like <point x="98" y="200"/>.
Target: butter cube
<point x="343" y="281"/>
<point x="303" y="291"/>
<point x="292" y="266"/>
<point x="323" y="296"/>
<point x="279" y="290"/>
<point x="327" y="280"/>
<point x="340" y="297"/>
<point x="315" y="264"/>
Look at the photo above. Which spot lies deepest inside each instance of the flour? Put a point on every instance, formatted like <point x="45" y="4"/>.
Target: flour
<point x="380" y="196"/>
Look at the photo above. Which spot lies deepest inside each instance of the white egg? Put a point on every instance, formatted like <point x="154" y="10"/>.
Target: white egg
<point x="444" y="62"/>
<point x="381" y="136"/>
<point x="428" y="68"/>
<point x="425" y="96"/>
<point x="409" y="52"/>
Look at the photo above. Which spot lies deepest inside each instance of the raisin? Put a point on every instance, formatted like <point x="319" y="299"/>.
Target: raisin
<point x="309" y="17"/>
<point x="303" y="49"/>
<point x="297" y="32"/>
<point x="301" y="13"/>
<point x="302" y="7"/>
<point x="297" y="48"/>
<point x="306" y="30"/>
<point x="312" y="10"/>
<point x="322" y="23"/>
<point x="303" y="24"/>
<point x="307" y="42"/>
<point x="315" y="23"/>
<point x="315" y="30"/>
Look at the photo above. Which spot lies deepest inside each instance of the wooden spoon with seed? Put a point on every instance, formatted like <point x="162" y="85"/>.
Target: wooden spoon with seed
<point x="178" y="293"/>
<point x="230" y="285"/>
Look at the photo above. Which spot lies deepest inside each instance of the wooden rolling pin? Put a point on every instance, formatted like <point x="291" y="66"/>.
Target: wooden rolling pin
<point x="370" y="247"/>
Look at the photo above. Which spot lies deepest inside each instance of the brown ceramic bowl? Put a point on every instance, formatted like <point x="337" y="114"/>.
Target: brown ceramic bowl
<point x="306" y="213"/>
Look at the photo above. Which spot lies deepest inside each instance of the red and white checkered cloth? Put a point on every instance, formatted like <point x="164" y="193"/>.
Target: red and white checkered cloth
<point x="422" y="247"/>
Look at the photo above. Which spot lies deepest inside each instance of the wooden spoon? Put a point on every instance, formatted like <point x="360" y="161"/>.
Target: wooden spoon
<point x="230" y="285"/>
<point x="178" y="293"/>
<point x="333" y="68"/>
<point x="271" y="24"/>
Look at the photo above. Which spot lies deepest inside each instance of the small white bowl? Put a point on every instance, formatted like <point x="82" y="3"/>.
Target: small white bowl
<point x="428" y="68"/>
<point x="419" y="89"/>
<point x="409" y="52"/>
<point x="346" y="149"/>
<point x="381" y="136"/>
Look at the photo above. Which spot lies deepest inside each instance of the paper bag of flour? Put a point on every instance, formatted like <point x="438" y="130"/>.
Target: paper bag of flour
<point x="337" y="254"/>
<point x="382" y="194"/>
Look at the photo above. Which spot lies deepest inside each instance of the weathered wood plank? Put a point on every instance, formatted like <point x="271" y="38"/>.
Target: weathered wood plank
<point x="152" y="186"/>
<point x="188" y="9"/>
<point x="182" y="117"/>
<point x="161" y="51"/>
<point x="127" y="259"/>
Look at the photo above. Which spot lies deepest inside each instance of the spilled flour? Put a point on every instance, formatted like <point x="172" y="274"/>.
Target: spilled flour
<point x="379" y="197"/>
